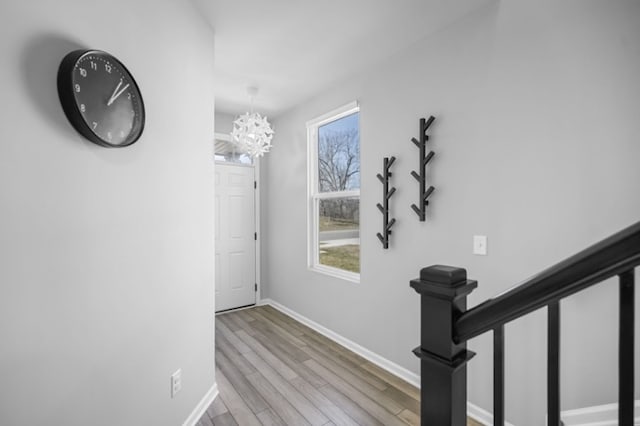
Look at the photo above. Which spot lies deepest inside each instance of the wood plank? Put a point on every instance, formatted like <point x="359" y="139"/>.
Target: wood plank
<point x="260" y="350"/>
<point x="352" y="409"/>
<point x="317" y="336"/>
<point x="231" y="337"/>
<point x="345" y="363"/>
<point x="269" y="418"/>
<point x="355" y="381"/>
<point x="236" y="405"/>
<point x="238" y="319"/>
<point x="324" y="404"/>
<point x="227" y="321"/>
<point x="296" y="366"/>
<point x="225" y="419"/>
<point x="217" y="407"/>
<point x="246" y="314"/>
<point x="372" y="406"/>
<point x="268" y="322"/>
<point x="240" y="384"/>
<point x="225" y="347"/>
<point x="322" y="340"/>
<point x="409" y="417"/>
<point x="277" y="401"/>
<point x="282" y="320"/>
<point x="392" y="380"/>
<point x="255" y="313"/>
<point x="402" y="399"/>
<point x="264" y="334"/>
<point x="295" y="398"/>
<point x="471" y="422"/>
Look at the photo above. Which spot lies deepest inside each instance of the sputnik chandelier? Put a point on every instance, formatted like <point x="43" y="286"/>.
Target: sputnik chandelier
<point x="251" y="132"/>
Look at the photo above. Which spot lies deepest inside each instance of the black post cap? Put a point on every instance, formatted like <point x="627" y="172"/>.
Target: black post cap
<point x="443" y="282"/>
<point x="443" y="274"/>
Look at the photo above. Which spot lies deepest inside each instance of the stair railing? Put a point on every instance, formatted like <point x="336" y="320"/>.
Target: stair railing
<point x="446" y="325"/>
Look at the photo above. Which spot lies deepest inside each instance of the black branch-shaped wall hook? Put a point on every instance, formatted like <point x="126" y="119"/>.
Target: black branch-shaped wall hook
<point x="384" y="207"/>
<point x="421" y="208"/>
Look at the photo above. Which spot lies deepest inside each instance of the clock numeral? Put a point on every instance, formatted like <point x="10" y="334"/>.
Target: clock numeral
<point x="128" y="95"/>
<point x="83" y="72"/>
<point x="95" y="125"/>
<point x="94" y="66"/>
<point x="77" y="86"/>
<point x="83" y="108"/>
<point x="107" y="68"/>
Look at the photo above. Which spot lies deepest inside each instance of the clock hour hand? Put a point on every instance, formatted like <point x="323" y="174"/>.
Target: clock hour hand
<point x="117" y="93"/>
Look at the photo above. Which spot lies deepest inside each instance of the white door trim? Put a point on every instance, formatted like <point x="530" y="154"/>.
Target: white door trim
<point x="256" y="176"/>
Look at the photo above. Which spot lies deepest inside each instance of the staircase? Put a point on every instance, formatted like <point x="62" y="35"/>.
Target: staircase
<point x="443" y="351"/>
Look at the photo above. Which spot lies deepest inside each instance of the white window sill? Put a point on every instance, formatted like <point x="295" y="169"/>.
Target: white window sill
<point x="336" y="273"/>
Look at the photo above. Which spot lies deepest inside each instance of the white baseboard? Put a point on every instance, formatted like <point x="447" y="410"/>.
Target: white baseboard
<point x="473" y="411"/>
<point x="202" y="406"/>
<point x="481" y="416"/>
<point x="601" y="415"/>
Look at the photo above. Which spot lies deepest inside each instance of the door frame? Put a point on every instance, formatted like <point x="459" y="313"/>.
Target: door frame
<point x="256" y="194"/>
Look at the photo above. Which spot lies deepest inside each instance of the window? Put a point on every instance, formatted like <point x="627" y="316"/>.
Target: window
<point x="226" y="151"/>
<point x="334" y="193"/>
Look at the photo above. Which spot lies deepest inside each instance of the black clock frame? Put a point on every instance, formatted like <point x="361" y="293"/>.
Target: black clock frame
<point x="70" y="106"/>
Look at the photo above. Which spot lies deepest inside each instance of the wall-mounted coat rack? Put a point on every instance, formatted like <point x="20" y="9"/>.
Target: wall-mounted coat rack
<point x="421" y="208"/>
<point x="384" y="207"/>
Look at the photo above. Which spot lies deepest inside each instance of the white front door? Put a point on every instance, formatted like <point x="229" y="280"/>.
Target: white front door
<point x="235" y="237"/>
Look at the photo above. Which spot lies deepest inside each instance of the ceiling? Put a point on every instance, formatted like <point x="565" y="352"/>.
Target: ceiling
<point x="292" y="50"/>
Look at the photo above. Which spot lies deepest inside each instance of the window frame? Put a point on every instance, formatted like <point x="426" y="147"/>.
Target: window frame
<point x="314" y="195"/>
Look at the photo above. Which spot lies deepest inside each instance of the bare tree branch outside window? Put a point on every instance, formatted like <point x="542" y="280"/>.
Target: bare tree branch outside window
<point x="339" y="168"/>
<point x="339" y="160"/>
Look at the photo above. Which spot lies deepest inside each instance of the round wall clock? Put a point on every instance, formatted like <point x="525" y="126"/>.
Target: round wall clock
<point x="100" y="98"/>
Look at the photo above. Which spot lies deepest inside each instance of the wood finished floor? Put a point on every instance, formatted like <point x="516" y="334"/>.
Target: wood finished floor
<point x="273" y="370"/>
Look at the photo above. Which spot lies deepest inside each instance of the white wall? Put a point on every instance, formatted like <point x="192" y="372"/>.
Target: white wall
<point x="536" y="142"/>
<point x="106" y="255"/>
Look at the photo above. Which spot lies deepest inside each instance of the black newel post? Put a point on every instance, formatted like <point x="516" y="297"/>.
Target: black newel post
<point x="443" y="293"/>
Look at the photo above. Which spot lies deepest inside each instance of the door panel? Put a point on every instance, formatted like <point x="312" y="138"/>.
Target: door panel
<point x="237" y="219"/>
<point x="235" y="242"/>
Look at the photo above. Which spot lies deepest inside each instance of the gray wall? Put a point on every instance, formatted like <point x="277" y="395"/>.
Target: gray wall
<point x="536" y="142"/>
<point x="106" y="255"/>
<point x="224" y="122"/>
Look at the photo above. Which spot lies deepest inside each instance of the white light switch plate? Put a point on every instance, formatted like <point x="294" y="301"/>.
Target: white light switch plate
<point x="480" y="245"/>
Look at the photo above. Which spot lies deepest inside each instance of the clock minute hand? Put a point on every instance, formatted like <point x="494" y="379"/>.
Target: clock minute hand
<point x="115" y="95"/>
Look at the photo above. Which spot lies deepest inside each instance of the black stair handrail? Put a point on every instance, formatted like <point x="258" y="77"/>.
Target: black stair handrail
<point x="605" y="259"/>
